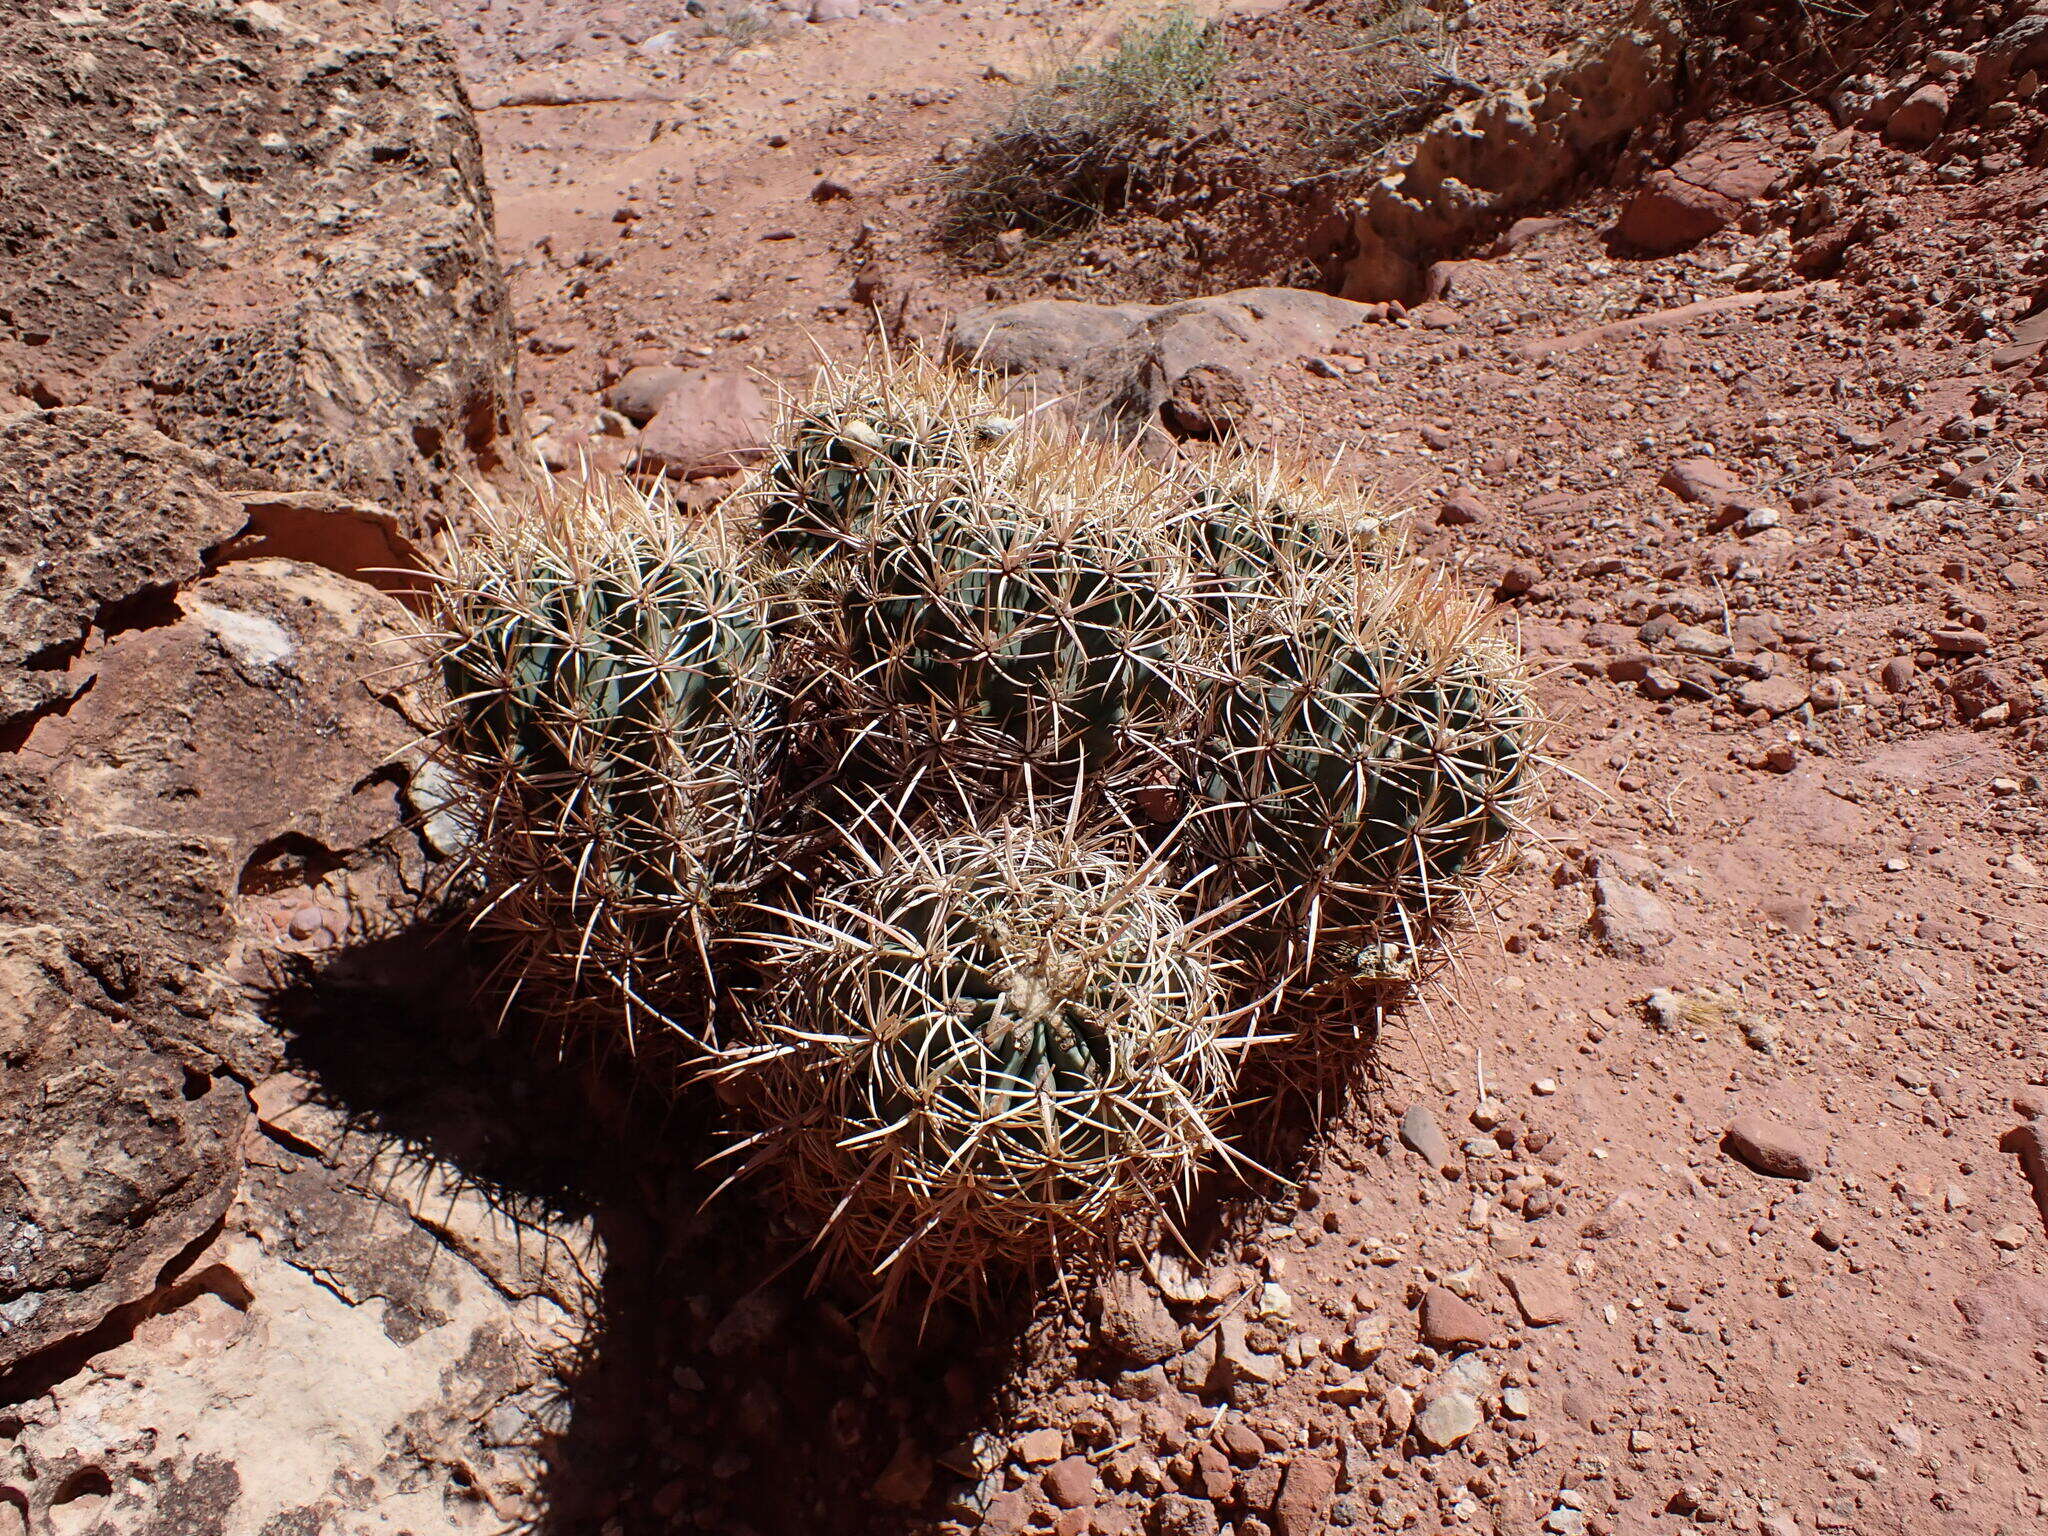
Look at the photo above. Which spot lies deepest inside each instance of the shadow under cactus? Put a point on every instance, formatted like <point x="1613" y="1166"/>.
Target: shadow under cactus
<point x="708" y="1390"/>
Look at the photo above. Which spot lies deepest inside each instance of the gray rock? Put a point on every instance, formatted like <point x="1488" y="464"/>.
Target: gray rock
<point x="1623" y="865"/>
<point x="1132" y="1320"/>
<point x="1196" y="1368"/>
<point x="1631" y="922"/>
<point x="1468" y="1373"/>
<point x="1238" y="1362"/>
<point x="639" y="395"/>
<point x="1421" y="1135"/>
<point x="1182" y="368"/>
<point x="1659" y="683"/>
<point x="1446" y="1419"/>
<point x="1040" y="338"/>
<point x="1698" y="640"/>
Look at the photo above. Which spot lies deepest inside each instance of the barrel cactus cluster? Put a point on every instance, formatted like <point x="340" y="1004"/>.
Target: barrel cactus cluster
<point x="970" y="801"/>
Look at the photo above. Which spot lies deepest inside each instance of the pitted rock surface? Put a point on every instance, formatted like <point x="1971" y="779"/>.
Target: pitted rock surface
<point x="302" y="182"/>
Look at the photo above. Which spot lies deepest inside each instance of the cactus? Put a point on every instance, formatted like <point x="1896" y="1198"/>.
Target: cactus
<point x="960" y="1047"/>
<point x="986" y="1048"/>
<point x="1270" y="528"/>
<point x="1034" y="620"/>
<point x="1365" y="762"/>
<point x="606" y="671"/>
<point x="845" y="455"/>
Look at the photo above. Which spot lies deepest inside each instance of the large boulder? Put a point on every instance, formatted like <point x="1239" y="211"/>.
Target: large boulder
<point x="1704" y="191"/>
<point x="1039" y="336"/>
<point x="1475" y="167"/>
<point x="227" y="1170"/>
<point x="1187" y="369"/>
<point x="185" y="744"/>
<point x="264" y="230"/>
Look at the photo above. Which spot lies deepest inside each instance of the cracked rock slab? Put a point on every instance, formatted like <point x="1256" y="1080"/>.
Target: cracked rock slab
<point x="118" y="1158"/>
<point x="95" y="513"/>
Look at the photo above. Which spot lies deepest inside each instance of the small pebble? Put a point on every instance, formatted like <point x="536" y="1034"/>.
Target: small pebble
<point x="1423" y="1136"/>
<point x="1449" y="1321"/>
<point x="1037" y="1447"/>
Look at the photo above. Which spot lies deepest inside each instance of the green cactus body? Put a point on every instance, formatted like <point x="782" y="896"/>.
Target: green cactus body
<point x="608" y="684"/>
<point x="1259" y="536"/>
<point x="998" y="1041"/>
<point x="830" y="477"/>
<point x="653" y="644"/>
<point x="853" y="453"/>
<point x="1007" y="639"/>
<point x="1359" y="777"/>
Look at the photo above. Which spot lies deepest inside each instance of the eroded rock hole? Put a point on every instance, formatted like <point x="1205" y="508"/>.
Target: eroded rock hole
<point x="291" y="860"/>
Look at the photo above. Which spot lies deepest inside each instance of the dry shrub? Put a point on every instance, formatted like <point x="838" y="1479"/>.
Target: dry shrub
<point x="1378" y="77"/>
<point x="1075" y="146"/>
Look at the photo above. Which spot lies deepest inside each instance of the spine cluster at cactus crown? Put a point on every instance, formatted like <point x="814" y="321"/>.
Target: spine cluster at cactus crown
<point x="969" y="799"/>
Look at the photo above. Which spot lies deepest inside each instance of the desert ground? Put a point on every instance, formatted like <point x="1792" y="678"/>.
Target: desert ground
<point x="1705" y="1187"/>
